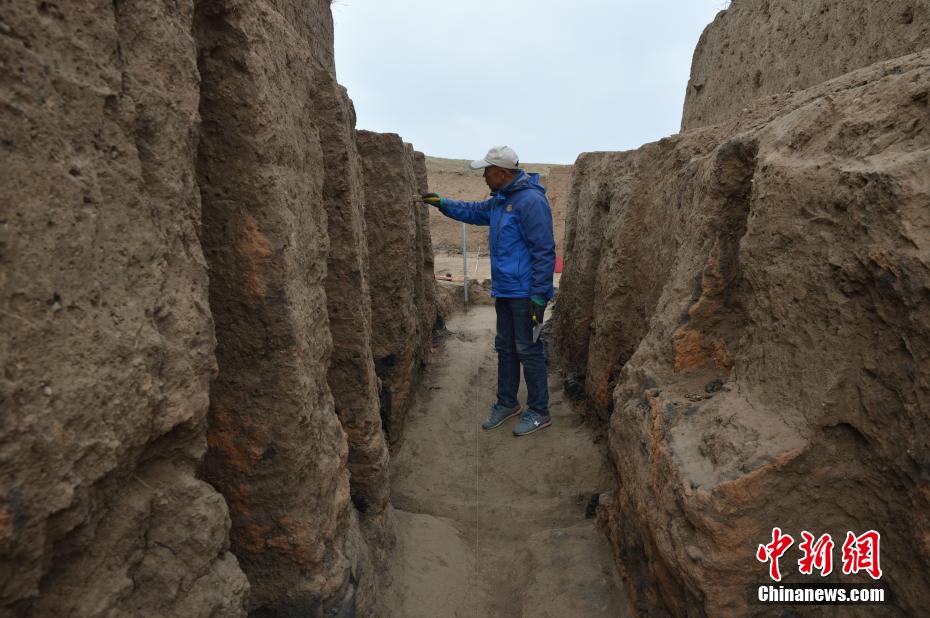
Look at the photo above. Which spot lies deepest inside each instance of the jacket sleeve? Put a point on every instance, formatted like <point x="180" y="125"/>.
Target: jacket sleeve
<point x="536" y="224"/>
<point x="475" y="213"/>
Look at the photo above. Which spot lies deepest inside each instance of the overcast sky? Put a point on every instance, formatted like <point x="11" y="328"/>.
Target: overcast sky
<point x="550" y="78"/>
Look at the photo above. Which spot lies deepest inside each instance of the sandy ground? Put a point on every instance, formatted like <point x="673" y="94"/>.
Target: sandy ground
<point x="489" y="524"/>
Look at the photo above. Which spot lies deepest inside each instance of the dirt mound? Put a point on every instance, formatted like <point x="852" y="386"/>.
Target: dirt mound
<point x="763" y="47"/>
<point x="748" y="305"/>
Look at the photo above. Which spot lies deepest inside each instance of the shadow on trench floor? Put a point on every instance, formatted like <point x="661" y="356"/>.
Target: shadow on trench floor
<point x="489" y="524"/>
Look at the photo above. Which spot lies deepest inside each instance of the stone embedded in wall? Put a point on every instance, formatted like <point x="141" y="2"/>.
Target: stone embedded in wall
<point x="757" y="333"/>
<point x="277" y="450"/>
<point x="403" y="298"/>
<point x="763" y="47"/>
<point x="108" y="340"/>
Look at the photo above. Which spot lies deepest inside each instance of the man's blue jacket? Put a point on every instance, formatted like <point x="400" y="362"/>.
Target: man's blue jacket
<point x="522" y="244"/>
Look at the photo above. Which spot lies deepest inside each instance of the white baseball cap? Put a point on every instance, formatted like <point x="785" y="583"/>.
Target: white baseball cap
<point x="501" y="156"/>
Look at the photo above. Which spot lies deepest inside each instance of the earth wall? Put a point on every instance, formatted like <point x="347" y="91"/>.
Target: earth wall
<point x="758" y="48"/>
<point x="747" y="304"/>
<point x="191" y="421"/>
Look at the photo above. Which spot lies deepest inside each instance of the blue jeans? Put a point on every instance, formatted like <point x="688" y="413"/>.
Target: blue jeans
<point x="514" y="345"/>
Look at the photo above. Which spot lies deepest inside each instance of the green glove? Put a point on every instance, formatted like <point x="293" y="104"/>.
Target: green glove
<point x="433" y="199"/>
<point x="538" y="307"/>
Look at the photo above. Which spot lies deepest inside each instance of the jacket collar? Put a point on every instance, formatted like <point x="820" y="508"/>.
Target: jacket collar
<point x="513" y="185"/>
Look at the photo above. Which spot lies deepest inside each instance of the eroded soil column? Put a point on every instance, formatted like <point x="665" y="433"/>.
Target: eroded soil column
<point x="403" y="298"/>
<point x="352" y="377"/>
<point x="107" y="346"/>
<point x="277" y="450"/>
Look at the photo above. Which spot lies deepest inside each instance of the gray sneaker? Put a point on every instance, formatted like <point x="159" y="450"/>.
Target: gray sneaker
<point x="531" y="421"/>
<point x="499" y="414"/>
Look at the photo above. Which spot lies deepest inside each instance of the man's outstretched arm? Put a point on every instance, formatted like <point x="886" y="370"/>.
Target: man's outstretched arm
<point x="475" y="213"/>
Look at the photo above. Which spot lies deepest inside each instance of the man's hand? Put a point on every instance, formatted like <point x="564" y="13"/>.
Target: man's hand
<point x="433" y="199"/>
<point x="538" y="308"/>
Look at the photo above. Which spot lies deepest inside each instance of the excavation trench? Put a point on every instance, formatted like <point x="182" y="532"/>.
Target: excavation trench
<point x="488" y="524"/>
<point x="217" y="303"/>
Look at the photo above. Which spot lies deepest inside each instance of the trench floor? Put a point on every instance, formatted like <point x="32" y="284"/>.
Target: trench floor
<point x="489" y="524"/>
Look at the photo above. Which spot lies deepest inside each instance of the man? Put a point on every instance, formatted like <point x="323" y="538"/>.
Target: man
<point x="522" y="263"/>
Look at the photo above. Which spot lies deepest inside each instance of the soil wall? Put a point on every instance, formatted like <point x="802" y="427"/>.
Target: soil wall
<point x="187" y="299"/>
<point x="747" y="304"/>
<point x="403" y="300"/>
<point x="757" y="48"/>
<point x="277" y="449"/>
<point x="108" y="344"/>
<point x="352" y="378"/>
